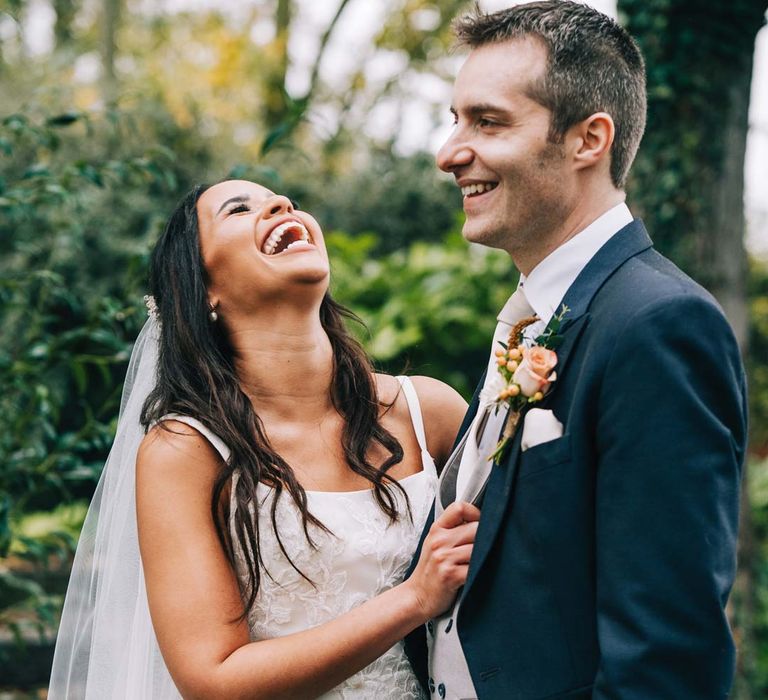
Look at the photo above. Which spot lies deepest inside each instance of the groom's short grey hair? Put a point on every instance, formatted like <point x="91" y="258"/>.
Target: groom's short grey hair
<point x="593" y="65"/>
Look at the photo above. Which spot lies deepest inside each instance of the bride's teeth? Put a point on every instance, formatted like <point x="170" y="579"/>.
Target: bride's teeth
<point x="270" y="245"/>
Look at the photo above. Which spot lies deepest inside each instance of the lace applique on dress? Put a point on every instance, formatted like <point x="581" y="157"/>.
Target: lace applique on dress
<point x="364" y="555"/>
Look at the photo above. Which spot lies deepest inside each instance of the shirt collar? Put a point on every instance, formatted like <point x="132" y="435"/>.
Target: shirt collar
<point x="548" y="282"/>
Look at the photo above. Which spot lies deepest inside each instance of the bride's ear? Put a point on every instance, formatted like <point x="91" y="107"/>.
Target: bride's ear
<point x="593" y="138"/>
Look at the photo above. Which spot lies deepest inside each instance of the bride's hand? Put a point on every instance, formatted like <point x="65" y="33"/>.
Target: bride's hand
<point x="444" y="559"/>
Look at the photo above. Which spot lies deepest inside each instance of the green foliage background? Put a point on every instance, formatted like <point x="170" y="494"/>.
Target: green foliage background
<point x="85" y="190"/>
<point x="76" y="227"/>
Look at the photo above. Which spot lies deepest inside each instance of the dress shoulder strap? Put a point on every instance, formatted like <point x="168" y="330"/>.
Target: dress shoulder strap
<point x="416" y="419"/>
<point x="216" y="442"/>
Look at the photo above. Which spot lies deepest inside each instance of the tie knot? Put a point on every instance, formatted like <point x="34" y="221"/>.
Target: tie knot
<point x="516" y="308"/>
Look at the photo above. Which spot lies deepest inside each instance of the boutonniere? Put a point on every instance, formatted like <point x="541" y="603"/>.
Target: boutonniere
<point x="526" y="370"/>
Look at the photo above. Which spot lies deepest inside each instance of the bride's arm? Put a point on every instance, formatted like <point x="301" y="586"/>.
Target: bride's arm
<point x="195" y="602"/>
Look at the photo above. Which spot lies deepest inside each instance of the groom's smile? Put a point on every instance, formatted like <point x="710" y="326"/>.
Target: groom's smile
<point x="475" y="190"/>
<point x="476" y="196"/>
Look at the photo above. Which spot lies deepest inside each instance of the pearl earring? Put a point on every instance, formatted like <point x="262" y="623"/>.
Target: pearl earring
<point x="212" y="315"/>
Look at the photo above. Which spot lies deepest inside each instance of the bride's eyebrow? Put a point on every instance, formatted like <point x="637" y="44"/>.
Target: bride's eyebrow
<point x="241" y="198"/>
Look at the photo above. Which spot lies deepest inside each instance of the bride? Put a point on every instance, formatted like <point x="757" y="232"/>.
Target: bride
<point x="266" y="490"/>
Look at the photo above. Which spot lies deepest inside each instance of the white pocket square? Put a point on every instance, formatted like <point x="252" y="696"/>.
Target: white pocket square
<point x="540" y="426"/>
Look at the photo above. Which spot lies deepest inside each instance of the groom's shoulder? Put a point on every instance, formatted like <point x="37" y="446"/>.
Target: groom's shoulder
<point x="649" y="280"/>
<point x="648" y="291"/>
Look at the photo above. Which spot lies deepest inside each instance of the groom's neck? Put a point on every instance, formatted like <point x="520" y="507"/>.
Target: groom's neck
<point x="584" y="212"/>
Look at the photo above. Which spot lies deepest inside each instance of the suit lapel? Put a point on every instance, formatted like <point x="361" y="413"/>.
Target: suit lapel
<point x="628" y="242"/>
<point x="502" y="477"/>
<point x="625" y="244"/>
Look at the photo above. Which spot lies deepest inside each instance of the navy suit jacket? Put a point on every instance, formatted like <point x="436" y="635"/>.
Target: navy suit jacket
<point x="604" y="558"/>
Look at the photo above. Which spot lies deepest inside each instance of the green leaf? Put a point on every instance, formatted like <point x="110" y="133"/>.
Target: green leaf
<point x="64" y="119"/>
<point x="280" y="132"/>
<point x="90" y="173"/>
<point x="78" y="372"/>
<point x="37" y="170"/>
<point x="554" y="341"/>
<point x="15" y="122"/>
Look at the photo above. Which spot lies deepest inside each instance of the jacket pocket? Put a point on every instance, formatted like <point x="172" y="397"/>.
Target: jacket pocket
<point x="544" y="456"/>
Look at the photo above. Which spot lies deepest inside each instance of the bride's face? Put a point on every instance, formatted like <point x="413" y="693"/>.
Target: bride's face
<point x="256" y="247"/>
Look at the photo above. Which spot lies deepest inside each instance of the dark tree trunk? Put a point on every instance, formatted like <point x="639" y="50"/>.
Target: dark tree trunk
<point x="688" y="181"/>
<point x="110" y="24"/>
<point x="65" y="16"/>
<point x="276" y="103"/>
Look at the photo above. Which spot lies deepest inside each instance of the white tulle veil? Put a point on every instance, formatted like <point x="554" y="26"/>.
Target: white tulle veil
<point x="106" y="646"/>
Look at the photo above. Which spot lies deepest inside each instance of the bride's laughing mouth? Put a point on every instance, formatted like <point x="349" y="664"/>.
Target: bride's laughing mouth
<point x="287" y="236"/>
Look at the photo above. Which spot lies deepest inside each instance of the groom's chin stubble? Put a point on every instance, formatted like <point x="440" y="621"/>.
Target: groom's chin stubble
<point x="488" y="237"/>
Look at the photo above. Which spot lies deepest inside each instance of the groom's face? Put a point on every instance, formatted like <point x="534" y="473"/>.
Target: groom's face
<point x="515" y="182"/>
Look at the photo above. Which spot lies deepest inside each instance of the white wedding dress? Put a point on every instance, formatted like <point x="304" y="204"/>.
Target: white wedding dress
<point x="364" y="555"/>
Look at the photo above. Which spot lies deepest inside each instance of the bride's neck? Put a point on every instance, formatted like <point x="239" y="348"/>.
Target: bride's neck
<point x="285" y="364"/>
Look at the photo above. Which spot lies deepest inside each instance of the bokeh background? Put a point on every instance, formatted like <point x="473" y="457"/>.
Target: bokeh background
<point x="111" y="109"/>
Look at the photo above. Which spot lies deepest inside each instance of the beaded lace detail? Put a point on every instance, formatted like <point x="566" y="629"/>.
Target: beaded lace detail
<point x="365" y="555"/>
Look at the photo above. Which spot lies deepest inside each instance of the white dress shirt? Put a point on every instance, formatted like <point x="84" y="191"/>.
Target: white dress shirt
<point x="546" y="285"/>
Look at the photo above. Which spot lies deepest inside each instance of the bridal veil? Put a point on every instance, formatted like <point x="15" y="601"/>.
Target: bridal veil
<point x="106" y="646"/>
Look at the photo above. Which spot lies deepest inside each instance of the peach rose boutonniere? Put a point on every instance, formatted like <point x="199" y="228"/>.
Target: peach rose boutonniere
<point x="526" y="372"/>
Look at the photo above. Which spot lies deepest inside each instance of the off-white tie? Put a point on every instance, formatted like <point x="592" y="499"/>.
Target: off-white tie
<point x="471" y="459"/>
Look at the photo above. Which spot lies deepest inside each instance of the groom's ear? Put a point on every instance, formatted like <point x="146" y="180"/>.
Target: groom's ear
<point x="592" y="139"/>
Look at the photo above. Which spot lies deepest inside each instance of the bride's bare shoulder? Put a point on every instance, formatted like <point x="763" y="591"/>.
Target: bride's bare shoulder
<point x="387" y="388"/>
<point x="442" y="409"/>
<point x="173" y="448"/>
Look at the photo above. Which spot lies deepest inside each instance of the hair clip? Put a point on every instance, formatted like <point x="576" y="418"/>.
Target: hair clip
<point x="151" y="304"/>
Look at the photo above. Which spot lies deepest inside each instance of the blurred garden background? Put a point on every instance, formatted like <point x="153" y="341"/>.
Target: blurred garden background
<point x="111" y="109"/>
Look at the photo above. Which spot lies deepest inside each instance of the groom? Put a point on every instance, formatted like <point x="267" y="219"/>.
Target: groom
<point x="606" y="547"/>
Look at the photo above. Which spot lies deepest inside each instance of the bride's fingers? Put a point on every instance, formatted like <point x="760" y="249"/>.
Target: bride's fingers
<point x="460" y="573"/>
<point x="469" y="512"/>
<point x="452" y="566"/>
<point x="461" y="555"/>
<point x="440" y="541"/>
<point x="457" y="514"/>
<point x="464" y="534"/>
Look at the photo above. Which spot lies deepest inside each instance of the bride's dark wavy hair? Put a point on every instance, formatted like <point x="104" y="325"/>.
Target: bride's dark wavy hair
<point x="196" y="377"/>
